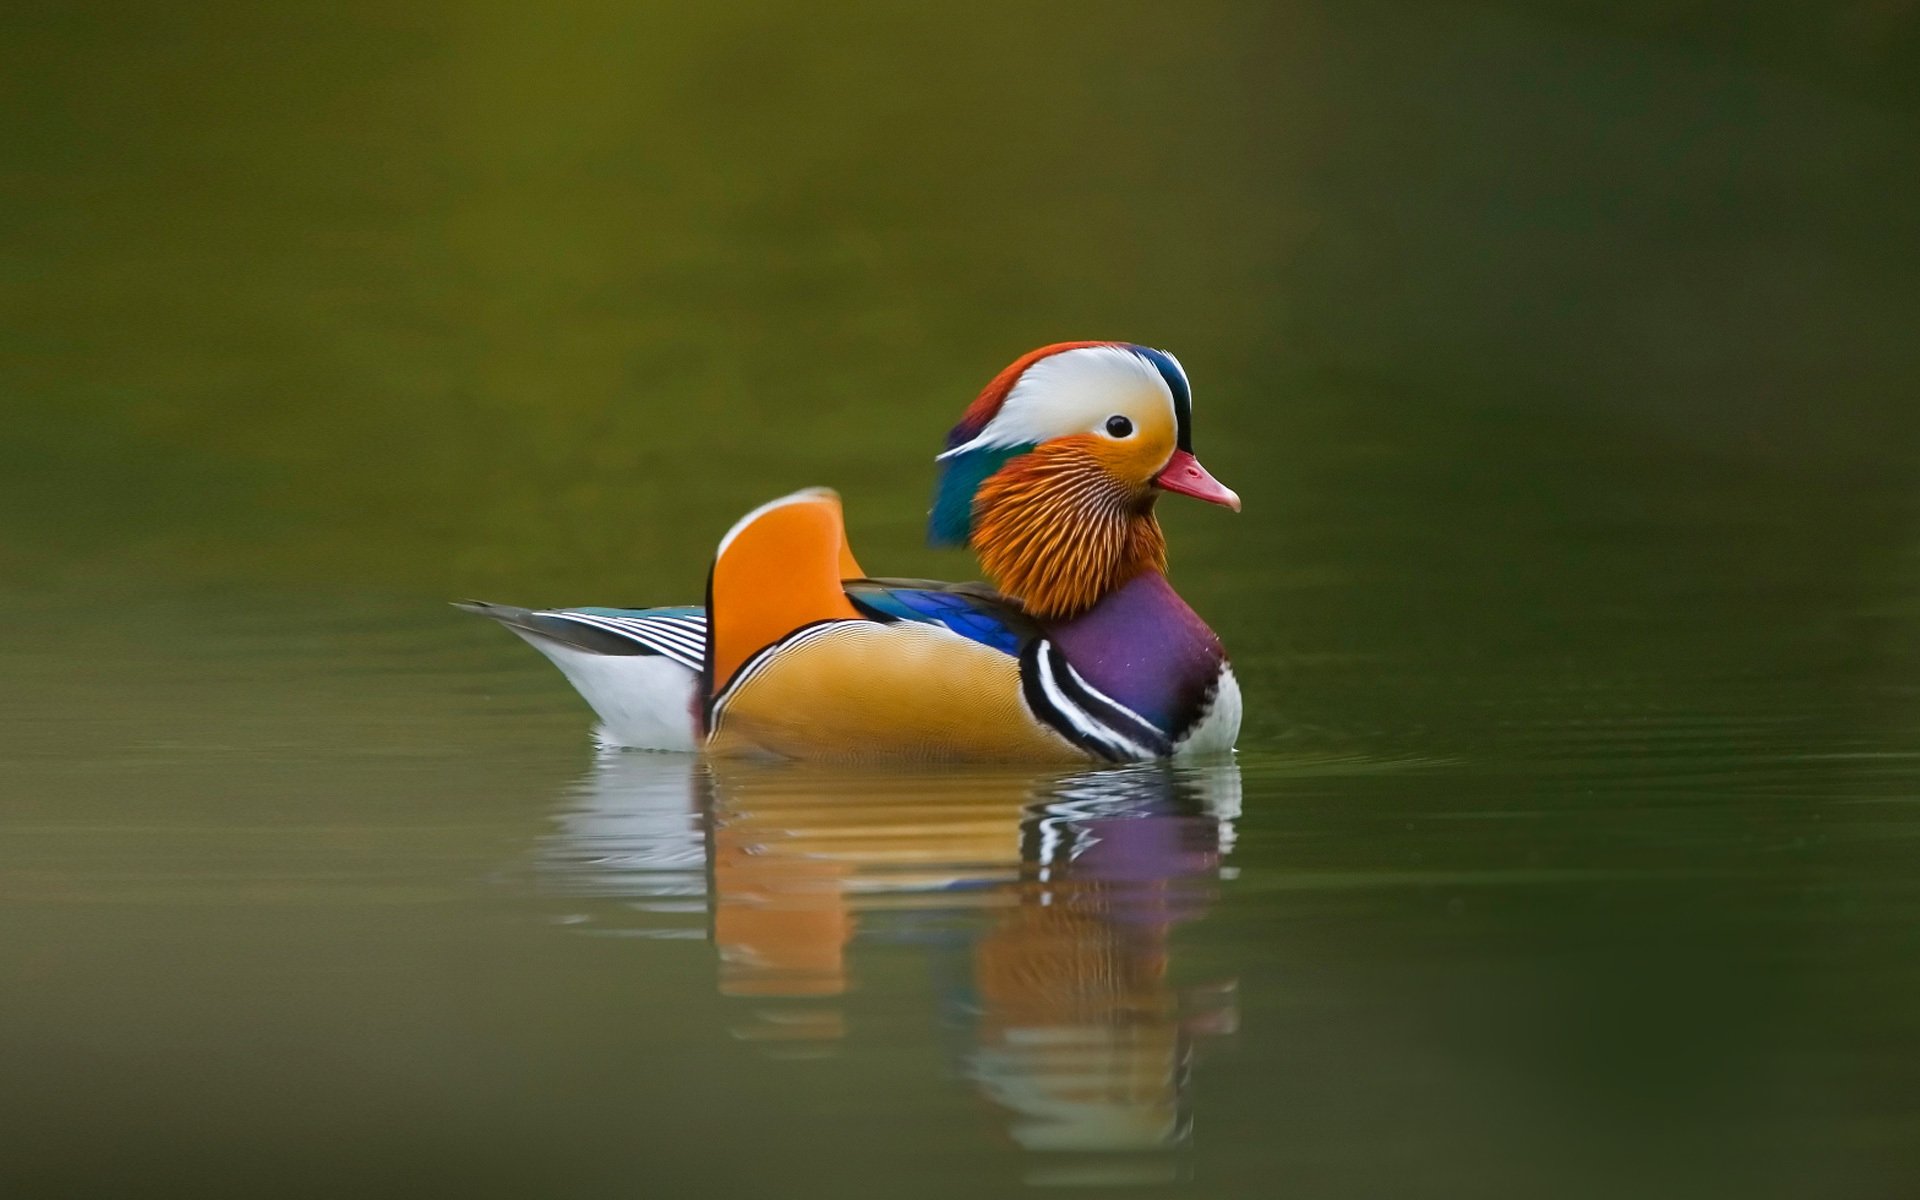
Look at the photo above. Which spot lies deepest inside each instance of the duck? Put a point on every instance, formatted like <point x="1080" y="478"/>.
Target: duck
<point x="1075" y="649"/>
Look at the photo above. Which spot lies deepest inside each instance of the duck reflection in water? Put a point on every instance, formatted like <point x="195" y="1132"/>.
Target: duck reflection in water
<point x="1046" y="904"/>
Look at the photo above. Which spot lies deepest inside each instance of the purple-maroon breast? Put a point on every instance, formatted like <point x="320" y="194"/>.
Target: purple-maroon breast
<point x="1144" y="647"/>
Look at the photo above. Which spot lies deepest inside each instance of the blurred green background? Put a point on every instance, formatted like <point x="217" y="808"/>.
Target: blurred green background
<point x="480" y="296"/>
<point x="1565" y="355"/>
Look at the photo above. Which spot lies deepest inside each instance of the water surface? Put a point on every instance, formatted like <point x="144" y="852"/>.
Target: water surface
<point x="1564" y="359"/>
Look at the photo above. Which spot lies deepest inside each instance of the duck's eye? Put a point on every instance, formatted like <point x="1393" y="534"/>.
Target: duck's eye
<point x="1119" y="426"/>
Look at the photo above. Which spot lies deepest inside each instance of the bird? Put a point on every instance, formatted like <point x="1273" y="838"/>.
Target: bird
<point x="1077" y="648"/>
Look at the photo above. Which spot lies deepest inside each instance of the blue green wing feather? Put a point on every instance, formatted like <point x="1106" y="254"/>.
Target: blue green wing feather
<point x="973" y="611"/>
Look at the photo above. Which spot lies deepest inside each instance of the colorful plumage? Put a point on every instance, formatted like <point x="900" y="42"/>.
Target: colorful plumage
<point x="1081" y="649"/>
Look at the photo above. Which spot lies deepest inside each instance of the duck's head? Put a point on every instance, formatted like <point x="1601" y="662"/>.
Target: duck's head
<point x="1052" y="474"/>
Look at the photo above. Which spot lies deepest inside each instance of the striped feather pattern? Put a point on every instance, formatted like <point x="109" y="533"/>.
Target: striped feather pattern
<point x="679" y="634"/>
<point x="1081" y="713"/>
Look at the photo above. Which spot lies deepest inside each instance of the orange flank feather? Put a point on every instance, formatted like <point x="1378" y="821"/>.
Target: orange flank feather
<point x="779" y="569"/>
<point x="855" y="688"/>
<point x="901" y="692"/>
<point x="1061" y="526"/>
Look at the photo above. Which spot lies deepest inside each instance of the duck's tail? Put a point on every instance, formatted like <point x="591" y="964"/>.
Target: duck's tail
<point x="555" y="627"/>
<point x="638" y="668"/>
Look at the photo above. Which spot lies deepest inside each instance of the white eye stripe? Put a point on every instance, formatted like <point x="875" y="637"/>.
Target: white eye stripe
<point x="1075" y="391"/>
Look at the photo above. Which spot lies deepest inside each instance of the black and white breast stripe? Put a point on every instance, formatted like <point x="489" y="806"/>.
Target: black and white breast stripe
<point x="682" y="639"/>
<point x="1081" y="713"/>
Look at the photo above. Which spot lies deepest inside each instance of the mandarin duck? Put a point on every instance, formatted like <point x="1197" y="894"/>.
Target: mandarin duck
<point x="1080" y="650"/>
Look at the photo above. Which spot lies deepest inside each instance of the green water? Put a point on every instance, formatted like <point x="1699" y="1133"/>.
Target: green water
<point x="1564" y="356"/>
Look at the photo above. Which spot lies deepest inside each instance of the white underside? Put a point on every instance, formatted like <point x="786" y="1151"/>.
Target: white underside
<point x="1219" y="727"/>
<point x="645" y="701"/>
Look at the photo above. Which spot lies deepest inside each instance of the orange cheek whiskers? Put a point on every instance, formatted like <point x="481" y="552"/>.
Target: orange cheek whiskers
<point x="1058" y="528"/>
